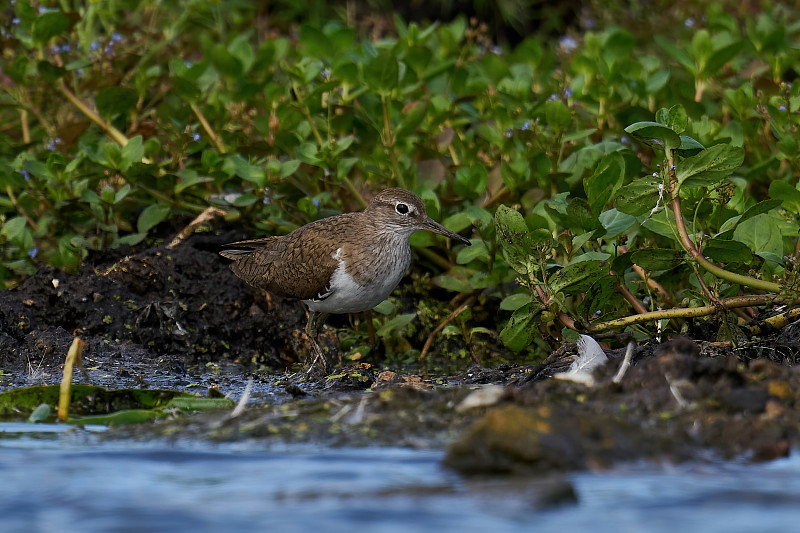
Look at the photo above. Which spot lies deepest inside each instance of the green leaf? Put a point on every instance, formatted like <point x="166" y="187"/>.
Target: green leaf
<point x="397" y="323"/>
<point x="518" y="332"/>
<point x="470" y="253"/>
<point x="557" y="115"/>
<point x="50" y="72"/>
<point x="512" y="302"/>
<point x="289" y="167"/>
<point x="710" y="166"/>
<point x="615" y="222"/>
<point x="607" y="178"/>
<point x="761" y="234"/>
<point x="689" y="147"/>
<point x="726" y="251"/>
<point x="382" y="73"/>
<point x="577" y="277"/>
<point x="638" y="197"/>
<point x="722" y="56"/>
<point x="13" y="228"/>
<point x="788" y="195"/>
<point x="658" y="259"/>
<point x="471" y="181"/>
<point x="675" y="118"/>
<point x="598" y="297"/>
<point x="48" y="25"/>
<point x="112" y="101"/>
<point x="655" y="134"/>
<point x="307" y="153"/>
<point x="133" y="152"/>
<point x="313" y="42"/>
<point x="679" y="55"/>
<point x="225" y="63"/>
<point x="151" y="216"/>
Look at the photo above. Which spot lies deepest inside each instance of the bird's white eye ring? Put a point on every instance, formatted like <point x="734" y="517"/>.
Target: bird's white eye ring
<point x="401" y="208"/>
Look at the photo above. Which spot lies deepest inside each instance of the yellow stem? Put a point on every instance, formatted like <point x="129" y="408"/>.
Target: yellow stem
<point x="207" y="127"/>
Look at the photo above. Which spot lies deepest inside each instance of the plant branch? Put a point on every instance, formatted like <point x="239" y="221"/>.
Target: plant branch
<point x="452" y="316"/>
<point x="689" y="246"/>
<point x="113" y="132"/>
<point x="686" y="312"/>
<point x="209" y="130"/>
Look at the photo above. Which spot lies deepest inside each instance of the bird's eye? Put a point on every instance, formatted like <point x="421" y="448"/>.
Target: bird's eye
<point x="401" y="208"/>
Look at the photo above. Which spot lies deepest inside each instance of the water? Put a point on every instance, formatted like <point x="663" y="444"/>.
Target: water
<point x="54" y="478"/>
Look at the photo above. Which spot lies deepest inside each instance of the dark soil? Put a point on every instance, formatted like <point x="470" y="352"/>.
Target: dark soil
<point x="179" y="319"/>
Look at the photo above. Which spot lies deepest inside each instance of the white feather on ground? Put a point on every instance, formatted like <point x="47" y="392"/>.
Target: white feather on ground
<point x="590" y="356"/>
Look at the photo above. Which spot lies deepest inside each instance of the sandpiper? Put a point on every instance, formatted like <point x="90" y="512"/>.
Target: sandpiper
<point x="341" y="264"/>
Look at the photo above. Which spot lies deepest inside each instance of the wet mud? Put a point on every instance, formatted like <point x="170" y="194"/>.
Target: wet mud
<point x="179" y="319"/>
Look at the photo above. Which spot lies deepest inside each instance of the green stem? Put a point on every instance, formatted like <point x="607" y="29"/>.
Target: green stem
<point x="307" y="113"/>
<point x="389" y="143"/>
<point x="688" y="245"/>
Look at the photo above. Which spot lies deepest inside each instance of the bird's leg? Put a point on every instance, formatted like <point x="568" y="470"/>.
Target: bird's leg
<point x="314" y="324"/>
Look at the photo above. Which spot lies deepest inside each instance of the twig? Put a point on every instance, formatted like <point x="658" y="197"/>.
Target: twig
<point x="208" y="128"/>
<point x="73" y="357"/>
<point x="626" y="363"/>
<point x="240" y="406"/>
<point x="204" y="217"/>
<point x="633" y="300"/>
<point x="685" y="312"/>
<point x="653" y="284"/>
<point x="452" y="316"/>
<point x="113" y="132"/>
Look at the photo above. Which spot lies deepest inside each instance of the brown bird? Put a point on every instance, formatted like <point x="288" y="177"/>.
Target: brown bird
<point x="341" y="264"/>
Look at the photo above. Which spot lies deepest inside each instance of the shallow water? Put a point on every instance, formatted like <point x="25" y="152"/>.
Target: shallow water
<point x="62" y="479"/>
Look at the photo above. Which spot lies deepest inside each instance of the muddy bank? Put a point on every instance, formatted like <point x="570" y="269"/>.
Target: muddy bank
<point x="179" y="319"/>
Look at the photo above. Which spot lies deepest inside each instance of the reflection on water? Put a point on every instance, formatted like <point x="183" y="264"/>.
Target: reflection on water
<point x="59" y="479"/>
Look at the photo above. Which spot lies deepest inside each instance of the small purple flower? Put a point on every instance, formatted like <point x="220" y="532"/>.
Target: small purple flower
<point x="673" y="168"/>
<point x="325" y="73"/>
<point x="568" y="92"/>
<point x="316" y="202"/>
<point x="108" y="50"/>
<point x="32" y="252"/>
<point x="526" y="125"/>
<point x="509" y="131"/>
<point x="25" y="174"/>
<point x="552" y="97"/>
<point x="94" y="46"/>
<point x="196" y="136"/>
<point x="66" y="47"/>
<point x="53" y="144"/>
<point x="187" y="63"/>
<point x="781" y="107"/>
<point x="567" y="44"/>
<point x="56" y="49"/>
<point x="625" y="139"/>
<point x="655" y="174"/>
<point x="689" y="23"/>
<point x="15" y="21"/>
<point x="116" y="37"/>
<point x="496" y="50"/>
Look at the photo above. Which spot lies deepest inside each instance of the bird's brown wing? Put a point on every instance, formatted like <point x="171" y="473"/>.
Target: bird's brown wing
<point x="298" y="265"/>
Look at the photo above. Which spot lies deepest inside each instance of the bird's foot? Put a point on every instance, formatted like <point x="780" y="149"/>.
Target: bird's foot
<point x="317" y="363"/>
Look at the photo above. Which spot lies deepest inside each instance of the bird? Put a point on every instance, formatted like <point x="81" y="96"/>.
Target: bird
<point x="345" y="263"/>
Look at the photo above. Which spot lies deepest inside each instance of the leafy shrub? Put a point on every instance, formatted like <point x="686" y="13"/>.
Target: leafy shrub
<point x="120" y="115"/>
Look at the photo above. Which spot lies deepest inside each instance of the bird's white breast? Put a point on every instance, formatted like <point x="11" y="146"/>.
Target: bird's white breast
<point x="349" y="296"/>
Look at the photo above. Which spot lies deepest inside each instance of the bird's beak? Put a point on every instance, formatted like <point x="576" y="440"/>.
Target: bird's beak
<point x="432" y="225"/>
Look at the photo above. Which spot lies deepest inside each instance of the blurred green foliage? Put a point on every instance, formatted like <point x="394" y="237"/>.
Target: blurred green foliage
<point x="116" y="116"/>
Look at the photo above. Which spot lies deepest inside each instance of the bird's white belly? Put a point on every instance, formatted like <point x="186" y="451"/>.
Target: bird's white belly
<point x="348" y="296"/>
